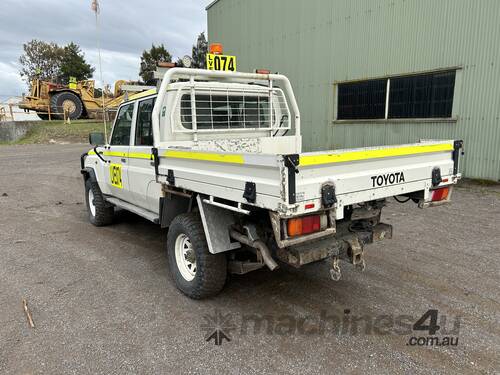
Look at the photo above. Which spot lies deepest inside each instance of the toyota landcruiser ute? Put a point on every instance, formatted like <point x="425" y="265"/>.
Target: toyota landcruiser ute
<point x="216" y="157"/>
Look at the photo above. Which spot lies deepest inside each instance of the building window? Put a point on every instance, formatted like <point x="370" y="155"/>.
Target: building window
<point x="362" y="100"/>
<point x="428" y="95"/>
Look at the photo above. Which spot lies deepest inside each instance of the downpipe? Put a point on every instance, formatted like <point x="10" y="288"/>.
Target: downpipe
<point x="256" y="244"/>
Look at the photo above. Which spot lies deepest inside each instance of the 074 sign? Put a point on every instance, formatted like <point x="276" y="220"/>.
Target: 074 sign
<point x="221" y="62"/>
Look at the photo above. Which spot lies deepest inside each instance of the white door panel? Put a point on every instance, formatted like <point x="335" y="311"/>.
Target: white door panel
<point x="141" y="172"/>
<point x="141" y="167"/>
<point x="117" y="153"/>
<point x="153" y="195"/>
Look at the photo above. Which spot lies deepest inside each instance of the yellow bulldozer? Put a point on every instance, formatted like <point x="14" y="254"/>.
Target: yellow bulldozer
<point x="52" y="101"/>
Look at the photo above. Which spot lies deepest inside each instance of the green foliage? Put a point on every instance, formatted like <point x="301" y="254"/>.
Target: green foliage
<point x="150" y="59"/>
<point x="40" y="60"/>
<point x="200" y="50"/>
<point x="50" y="62"/>
<point x="73" y="64"/>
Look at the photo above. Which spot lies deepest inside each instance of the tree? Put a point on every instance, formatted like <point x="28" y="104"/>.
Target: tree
<point x="40" y="60"/>
<point x="49" y="62"/>
<point x="73" y="64"/>
<point x="200" y="50"/>
<point x="150" y="59"/>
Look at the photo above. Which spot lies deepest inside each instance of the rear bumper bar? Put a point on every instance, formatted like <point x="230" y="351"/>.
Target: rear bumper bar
<point x="333" y="246"/>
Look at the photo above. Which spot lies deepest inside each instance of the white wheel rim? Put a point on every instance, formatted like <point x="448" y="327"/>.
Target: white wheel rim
<point x="185" y="257"/>
<point x="91" y="202"/>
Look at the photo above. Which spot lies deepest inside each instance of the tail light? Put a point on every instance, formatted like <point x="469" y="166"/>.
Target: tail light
<point x="440" y="194"/>
<point x="306" y="225"/>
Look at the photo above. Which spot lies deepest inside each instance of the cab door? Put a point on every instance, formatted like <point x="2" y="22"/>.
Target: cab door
<point x="141" y="173"/>
<point x="117" y="153"/>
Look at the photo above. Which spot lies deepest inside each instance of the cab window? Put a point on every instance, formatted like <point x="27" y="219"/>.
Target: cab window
<point x="123" y="123"/>
<point x="144" y="126"/>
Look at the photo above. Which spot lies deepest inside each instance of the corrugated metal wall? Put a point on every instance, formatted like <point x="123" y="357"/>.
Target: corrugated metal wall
<point x="319" y="42"/>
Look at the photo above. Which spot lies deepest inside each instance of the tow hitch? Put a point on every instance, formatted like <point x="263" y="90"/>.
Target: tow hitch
<point x="352" y="248"/>
<point x="353" y="252"/>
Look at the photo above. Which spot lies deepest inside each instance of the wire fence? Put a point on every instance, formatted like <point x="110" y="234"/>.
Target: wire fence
<point x="8" y="110"/>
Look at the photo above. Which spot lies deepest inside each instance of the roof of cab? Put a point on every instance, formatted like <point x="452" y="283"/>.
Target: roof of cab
<point x="141" y="95"/>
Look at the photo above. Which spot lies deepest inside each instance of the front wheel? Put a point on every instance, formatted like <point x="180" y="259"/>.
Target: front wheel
<point x="100" y="213"/>
<point x="196" y="272"/>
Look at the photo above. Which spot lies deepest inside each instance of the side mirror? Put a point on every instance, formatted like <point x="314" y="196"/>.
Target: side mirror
<point x="97" y="139"/>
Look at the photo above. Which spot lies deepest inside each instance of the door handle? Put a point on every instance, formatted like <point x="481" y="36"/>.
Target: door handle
<point x="124" y="160"/>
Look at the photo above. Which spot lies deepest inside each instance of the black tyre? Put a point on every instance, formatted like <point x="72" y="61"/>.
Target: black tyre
<point x="100" y="213"/>
<point x="69" y="101"/>
<point x="196" y="272"/>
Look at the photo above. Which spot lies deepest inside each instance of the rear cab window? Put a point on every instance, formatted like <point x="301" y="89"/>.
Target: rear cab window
<point x="226" y="111"/>
<point x="144" y="123"/>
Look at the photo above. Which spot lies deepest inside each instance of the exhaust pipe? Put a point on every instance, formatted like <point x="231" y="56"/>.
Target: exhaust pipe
<point x="256" y="244"/>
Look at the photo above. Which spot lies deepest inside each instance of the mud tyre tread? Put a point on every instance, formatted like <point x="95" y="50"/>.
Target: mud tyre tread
<point x="211" y="269"/>
<point x="104" y="213"/>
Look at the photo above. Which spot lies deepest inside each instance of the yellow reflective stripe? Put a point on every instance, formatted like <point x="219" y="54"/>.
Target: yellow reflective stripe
<point x="133" y="155"/>
<point x="138" y="155"/>
<point x="142" y="94"/>
<point x="116" y="153"/>
<point x="207" y="156"/>
<point x="307" y="160"/>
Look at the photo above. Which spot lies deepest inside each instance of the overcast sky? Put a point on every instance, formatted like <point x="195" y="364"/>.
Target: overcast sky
<point x="127" y="28"/>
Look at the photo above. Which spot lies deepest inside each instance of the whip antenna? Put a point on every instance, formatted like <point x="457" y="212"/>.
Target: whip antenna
<point x="96" y="10"/>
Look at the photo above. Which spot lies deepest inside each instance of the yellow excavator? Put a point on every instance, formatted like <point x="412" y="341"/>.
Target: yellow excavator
<point x="77" y="100"/>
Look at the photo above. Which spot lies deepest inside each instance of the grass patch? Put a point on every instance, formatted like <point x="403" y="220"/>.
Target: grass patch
<point x="58" y="132"/>
<point x="480" y="185"/>
<point x="481" y="182"/>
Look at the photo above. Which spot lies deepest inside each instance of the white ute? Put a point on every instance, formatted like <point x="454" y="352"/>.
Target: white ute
<point x="216" y="157"/>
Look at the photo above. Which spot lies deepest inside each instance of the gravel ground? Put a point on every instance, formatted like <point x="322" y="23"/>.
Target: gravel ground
<point x="103" y="302"/>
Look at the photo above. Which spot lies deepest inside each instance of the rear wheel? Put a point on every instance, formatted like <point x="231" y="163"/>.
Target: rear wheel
<point x="196" y="272"/>
<point x="100" y="213"/>
<point x="66" y="101"/>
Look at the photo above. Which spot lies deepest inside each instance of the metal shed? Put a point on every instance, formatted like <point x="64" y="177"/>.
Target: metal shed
<point x="373" y="72"/>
